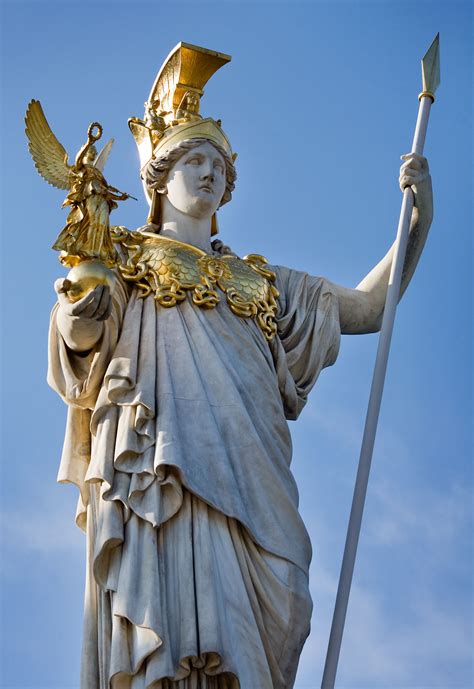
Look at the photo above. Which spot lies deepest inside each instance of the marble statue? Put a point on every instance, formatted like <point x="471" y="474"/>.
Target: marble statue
<point x="179" y="376"/>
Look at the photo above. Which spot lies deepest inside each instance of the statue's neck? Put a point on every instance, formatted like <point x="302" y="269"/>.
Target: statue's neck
<point x="185" y="228"/>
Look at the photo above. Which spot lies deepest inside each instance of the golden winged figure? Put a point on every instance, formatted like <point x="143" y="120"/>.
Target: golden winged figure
<point x="86" y="234"/>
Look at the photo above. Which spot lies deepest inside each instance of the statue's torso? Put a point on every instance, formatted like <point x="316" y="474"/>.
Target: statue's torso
<point x="168" y="269"/>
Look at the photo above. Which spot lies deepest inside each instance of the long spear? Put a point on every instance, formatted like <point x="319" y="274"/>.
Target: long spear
<point x="431" y="77"/>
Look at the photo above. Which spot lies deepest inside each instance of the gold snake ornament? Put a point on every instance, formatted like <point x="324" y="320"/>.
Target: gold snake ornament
<point x="169" y="269"/>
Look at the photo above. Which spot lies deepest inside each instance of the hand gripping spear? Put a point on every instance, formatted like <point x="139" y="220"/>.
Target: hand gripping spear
<point x="430" y="74"/>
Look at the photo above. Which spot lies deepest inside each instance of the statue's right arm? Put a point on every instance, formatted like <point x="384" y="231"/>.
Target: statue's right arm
<point x="361" y="309"/>
<point x="81" y="324"/>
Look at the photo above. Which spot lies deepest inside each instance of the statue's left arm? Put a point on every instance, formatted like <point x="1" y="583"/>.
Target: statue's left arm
<point x="361" y="309"/>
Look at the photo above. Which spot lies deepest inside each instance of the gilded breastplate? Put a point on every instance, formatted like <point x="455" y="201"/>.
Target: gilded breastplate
<point x="169" y="268"/>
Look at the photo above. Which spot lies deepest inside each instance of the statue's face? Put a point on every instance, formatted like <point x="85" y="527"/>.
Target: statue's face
<point x="196" y="182"/>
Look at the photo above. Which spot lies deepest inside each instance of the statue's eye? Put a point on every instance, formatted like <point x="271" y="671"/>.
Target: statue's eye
<point x="195" y="160"/>
<point x="218" y="164"/>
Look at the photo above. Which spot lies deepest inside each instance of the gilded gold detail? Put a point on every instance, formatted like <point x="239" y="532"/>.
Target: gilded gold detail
<point x="172" y="111"/>
<point x="426" y="94"/>
<point x="168" y="269"/>
<point x="86" y="234"/>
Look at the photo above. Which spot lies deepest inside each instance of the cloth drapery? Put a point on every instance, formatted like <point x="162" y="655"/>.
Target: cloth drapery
<point x="178" y="441"/>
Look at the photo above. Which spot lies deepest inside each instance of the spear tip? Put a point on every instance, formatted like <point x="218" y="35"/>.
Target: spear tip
<point x="430" y="68"/>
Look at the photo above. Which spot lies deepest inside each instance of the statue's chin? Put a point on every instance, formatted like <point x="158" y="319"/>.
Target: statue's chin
<point x="200" y="206"/>
<point x="85" y="276"/>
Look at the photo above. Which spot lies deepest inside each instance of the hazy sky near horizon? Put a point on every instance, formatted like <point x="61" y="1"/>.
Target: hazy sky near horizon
<point x="319" y="101"/>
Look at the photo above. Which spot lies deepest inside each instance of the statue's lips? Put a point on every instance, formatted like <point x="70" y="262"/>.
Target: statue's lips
<point x="206" y="187"/>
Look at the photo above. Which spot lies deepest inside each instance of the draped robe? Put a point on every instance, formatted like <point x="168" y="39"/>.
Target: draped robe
<point x="177" y="438"/>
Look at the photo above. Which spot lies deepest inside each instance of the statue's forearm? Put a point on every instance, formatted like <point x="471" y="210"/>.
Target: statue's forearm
<point x="420" y="224"/>
<point x="361" y="309"/>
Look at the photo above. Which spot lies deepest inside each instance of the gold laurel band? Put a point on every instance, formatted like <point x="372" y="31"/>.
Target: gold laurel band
<point x="427" y="94"/>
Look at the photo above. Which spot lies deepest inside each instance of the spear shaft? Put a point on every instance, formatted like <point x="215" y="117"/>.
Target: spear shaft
<point x="430" y="70"/>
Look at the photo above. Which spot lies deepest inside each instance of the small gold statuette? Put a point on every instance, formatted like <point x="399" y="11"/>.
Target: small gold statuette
<point x="86" y="238"/>
<point x="168" y="269"/>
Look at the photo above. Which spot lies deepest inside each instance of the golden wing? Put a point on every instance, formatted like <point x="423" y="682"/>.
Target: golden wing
<point x="51" y="159"/>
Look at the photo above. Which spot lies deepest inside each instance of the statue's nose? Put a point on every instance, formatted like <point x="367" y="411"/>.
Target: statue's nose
<point x="208" y="175"/>
<point x="207" y="170"/>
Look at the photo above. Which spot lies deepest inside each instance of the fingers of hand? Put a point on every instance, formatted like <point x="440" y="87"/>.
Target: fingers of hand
<point x="410" y="178"/>
<point x="96" y="305"/>
<point x="88" y="305"/>
<point x="415" y="160"/>
<point x="61" y="286"/>
<point x="413" y="171"/>
<point x="104" y="307"/>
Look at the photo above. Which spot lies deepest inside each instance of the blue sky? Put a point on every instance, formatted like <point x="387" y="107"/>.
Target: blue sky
<point x="319" y="101"/>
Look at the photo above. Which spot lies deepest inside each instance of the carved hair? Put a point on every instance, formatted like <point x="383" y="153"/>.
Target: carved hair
<point x="156" y="171"/>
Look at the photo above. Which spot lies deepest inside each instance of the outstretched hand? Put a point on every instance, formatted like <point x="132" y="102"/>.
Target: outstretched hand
<point x="96" y="305"/>
<point x="81" y="323"/>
